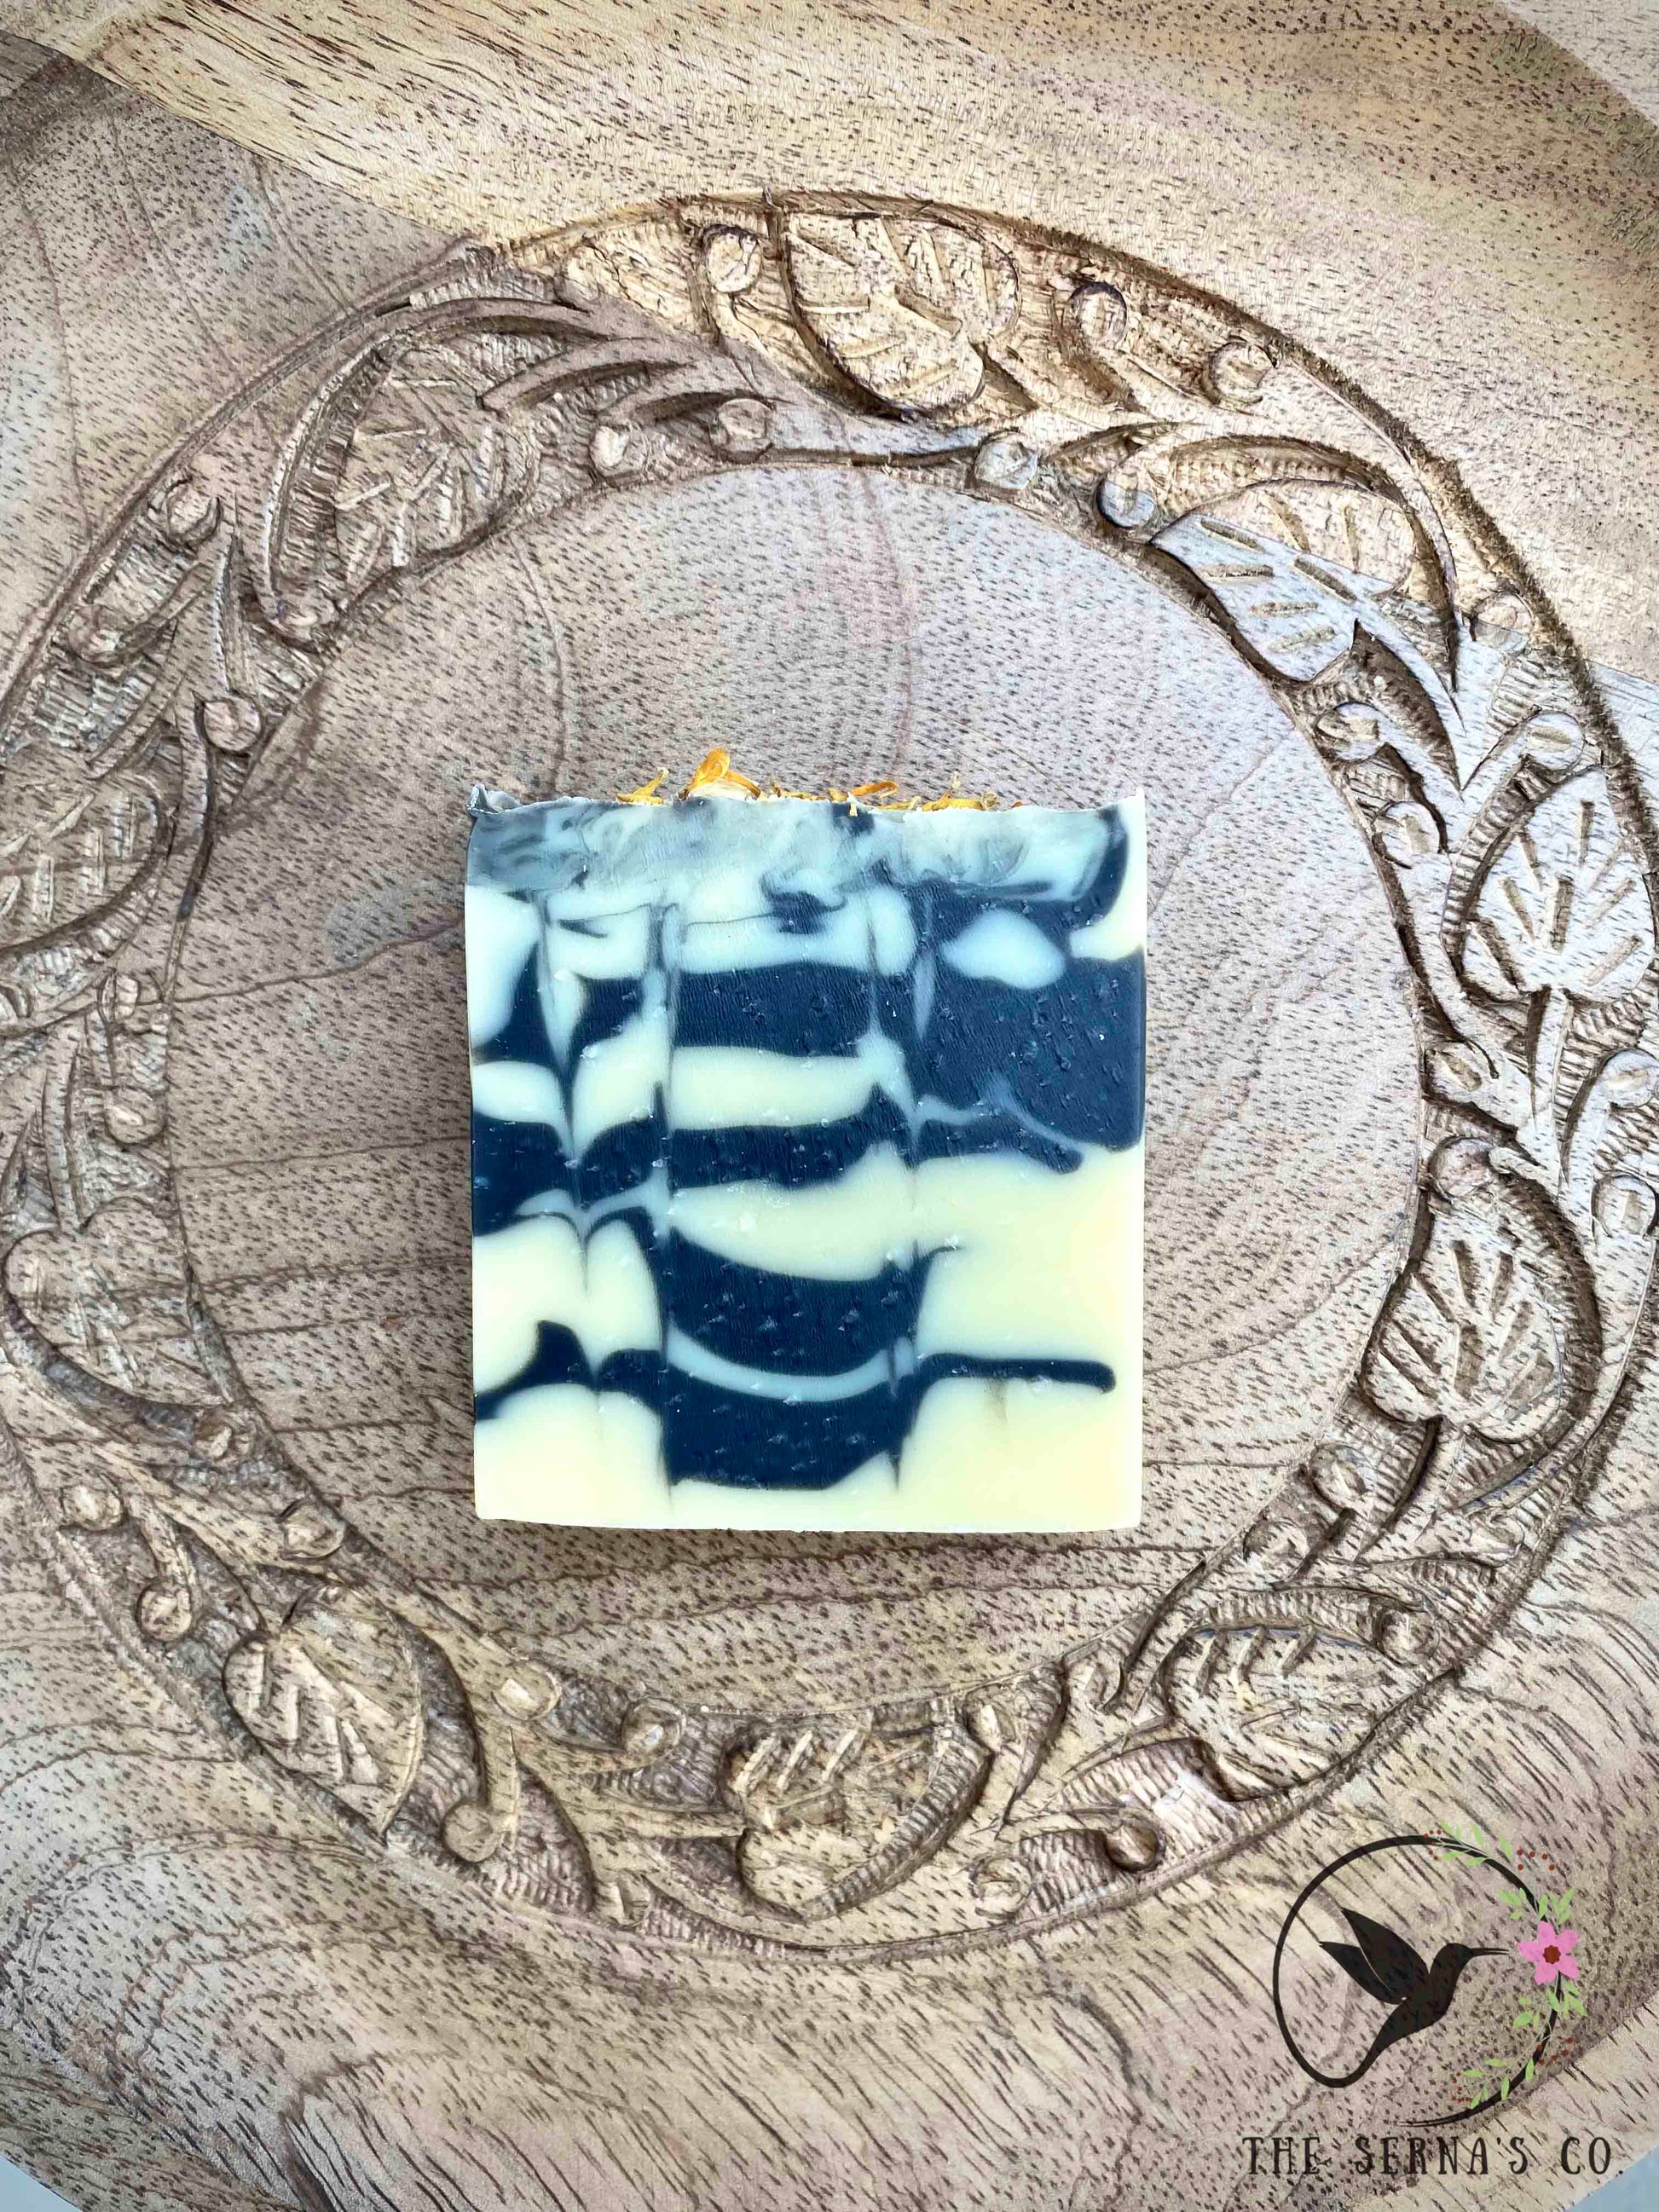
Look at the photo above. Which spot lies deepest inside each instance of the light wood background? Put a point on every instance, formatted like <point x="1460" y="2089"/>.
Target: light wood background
<point x="210" y="1980"/>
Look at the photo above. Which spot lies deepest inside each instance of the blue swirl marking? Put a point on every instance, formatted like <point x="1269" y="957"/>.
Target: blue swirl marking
<point x="748" y="1078"/>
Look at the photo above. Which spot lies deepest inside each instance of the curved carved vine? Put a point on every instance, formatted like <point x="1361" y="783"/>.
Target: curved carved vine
<point x="1153" y="424"/>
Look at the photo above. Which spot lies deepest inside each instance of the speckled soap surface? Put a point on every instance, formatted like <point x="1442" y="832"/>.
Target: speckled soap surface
<point x="807" y="1151"/>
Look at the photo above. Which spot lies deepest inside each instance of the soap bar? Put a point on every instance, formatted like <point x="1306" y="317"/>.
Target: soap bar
<point x="806" y="1151"/>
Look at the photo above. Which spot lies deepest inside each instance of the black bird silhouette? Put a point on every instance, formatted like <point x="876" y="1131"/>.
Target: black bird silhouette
<point x="1387" y="1968"/>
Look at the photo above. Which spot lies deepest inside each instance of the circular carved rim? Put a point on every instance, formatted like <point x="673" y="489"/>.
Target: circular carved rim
<point x="1406" y="642"/>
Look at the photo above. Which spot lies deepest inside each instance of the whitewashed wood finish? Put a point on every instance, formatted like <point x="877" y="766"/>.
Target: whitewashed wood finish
<point x="1069" y="2055"/>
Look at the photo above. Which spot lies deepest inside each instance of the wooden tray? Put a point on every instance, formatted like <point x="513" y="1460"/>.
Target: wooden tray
<point x="1262" y="416"/>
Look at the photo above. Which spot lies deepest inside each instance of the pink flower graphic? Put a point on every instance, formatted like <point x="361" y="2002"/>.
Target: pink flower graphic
<point x="1549" y="1953"/>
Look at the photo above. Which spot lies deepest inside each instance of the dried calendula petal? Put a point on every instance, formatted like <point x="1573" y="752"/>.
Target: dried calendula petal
<point x="716" y="777"/>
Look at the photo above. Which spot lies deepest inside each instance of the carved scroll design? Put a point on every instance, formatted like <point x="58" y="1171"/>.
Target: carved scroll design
<point x="1159" y="428"/>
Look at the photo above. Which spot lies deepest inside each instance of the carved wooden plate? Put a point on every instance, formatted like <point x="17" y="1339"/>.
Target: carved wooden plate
<point x="851" y="488"/>
<point x="851" y="484"/>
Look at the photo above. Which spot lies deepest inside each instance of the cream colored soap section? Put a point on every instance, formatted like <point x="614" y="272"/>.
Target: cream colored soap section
<point x="582" y="1458"/>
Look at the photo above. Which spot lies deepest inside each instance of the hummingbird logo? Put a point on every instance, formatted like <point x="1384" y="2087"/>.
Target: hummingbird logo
<point x="1388" y="1968"/>
<point x="1459" y="1885"/>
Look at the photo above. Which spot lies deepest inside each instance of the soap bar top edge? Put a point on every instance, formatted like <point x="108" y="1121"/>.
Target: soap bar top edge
<point x="552" y="844"/>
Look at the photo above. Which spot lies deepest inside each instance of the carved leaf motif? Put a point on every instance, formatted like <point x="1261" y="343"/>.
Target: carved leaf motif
<point x="1274" y="1708"/>
<point x="333" y="1695"/>
<point x="1297" y="612"/>
<point x="1468" y="1337"/>
<point x="86" y="843"/>
<point x="113" y="1297"/>
<point x="1565" y="907"/>
<point x="838" y="1809"/>
<point x="1313" y="499"/>
<point x="429" y="468"/>
<point x="901" y="305"/>
<point x="1358" y="531"/>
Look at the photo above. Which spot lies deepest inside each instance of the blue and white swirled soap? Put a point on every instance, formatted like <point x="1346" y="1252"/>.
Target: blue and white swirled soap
<point x="807" y="1153"/>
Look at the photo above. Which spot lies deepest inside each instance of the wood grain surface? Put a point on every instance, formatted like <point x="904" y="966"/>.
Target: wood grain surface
<point x="861" y="395"/>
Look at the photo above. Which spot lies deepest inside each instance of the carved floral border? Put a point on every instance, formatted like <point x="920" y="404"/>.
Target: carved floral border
<point x="1168" y="431"/>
